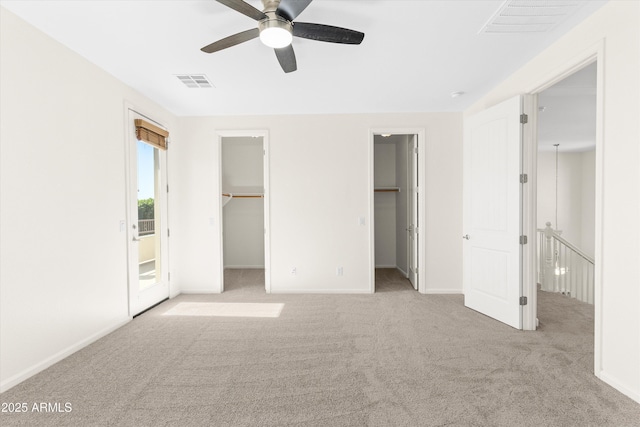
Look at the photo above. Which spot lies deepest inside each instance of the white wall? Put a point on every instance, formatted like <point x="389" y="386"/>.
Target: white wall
<point x="62" y="179"/>
<point x="615" y="27"/>
<point x="319" y="188"/>
<point x="588" y="203"/>
<point x="385" y="203"/>
<point x="146" y="248"/>
<point x="576" y="196"/>
<point x="193" y="209"/>
<point x="243" y="228"/>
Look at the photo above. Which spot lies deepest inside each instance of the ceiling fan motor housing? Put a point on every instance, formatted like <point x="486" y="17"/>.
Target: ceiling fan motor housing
<point x="270" y="5"/>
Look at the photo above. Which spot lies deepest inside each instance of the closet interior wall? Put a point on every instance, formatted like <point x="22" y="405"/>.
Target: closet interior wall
<point x="391" y="208"/>
<point x="243" y="217"/>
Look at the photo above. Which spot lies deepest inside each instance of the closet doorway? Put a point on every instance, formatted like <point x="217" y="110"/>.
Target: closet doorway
<point x="396" y="210"/>
<point x="244" y="211"/>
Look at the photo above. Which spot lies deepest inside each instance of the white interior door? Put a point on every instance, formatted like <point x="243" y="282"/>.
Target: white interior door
<point x="492" y="215"/>
<point x="413" y="228"/>
<point x="147" y="229"/>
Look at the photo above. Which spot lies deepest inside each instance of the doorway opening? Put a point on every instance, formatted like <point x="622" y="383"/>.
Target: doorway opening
<point x="244" y="212"/>
<point x="566" y="200"/>
<point x="395" y="211"/>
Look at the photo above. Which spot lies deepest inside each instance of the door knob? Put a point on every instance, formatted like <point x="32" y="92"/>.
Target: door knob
<point x="466" y="237"/>
<point x="135" y="239"/>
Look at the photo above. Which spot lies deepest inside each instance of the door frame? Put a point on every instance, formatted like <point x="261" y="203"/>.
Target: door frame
<point x="264" y="134"/>
<point x="132" y="292"/>
<point x="412" y="207"/>
<point x="593" y="54"/>
<point x="422" y="196"/>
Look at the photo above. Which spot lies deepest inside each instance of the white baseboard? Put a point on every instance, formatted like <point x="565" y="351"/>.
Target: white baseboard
<point x="207" y="291"/>
<point x="39" y="367"/>
<point x="320" y="291"/>
<point x="244" y="267"/>
<point x="404" y="273"/>
<point x="395" y="267"/>
<point x="633" y="394"/>
<point x="443" y="292"/>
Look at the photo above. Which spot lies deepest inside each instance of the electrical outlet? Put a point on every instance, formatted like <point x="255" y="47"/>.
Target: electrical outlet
<point x="339" y="271"/>
<point x="294" y="271"/>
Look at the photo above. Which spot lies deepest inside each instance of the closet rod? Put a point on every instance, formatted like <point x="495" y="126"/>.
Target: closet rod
<point x="387" y="190"/>
<point x="240" y="196"/>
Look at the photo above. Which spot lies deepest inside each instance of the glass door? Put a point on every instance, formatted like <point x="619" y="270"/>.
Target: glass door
<point x="148" y="281"/>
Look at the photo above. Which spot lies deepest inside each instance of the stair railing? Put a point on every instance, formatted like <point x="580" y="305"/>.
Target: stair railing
<point x="563" y="267"/>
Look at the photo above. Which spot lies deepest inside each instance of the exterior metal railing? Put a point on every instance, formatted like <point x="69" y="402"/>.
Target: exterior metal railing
<point x="563" y="267"/>
<point x="146" y="227"/>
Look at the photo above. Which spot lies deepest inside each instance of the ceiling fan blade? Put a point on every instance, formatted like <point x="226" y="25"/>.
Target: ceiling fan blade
<point x="244" y="8"/>
<point x="327" y="33"/>
<point x="287" y="59"/>
<point x="290" y="9"/>
<point x="232" y="40"/>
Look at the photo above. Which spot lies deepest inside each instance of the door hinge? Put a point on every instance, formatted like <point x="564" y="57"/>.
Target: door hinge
<point x="168" y="233"/>
<point x="416" y="270"/>
<point x="167" y="188"/>
<point x="523" y="240"/>
<point x="415" y="150"/>
<point x="169" y="276"/>
<point x="524" y="178"/>
<point x="417" y="230"/>
<point x="523" y="300"/>
<point x="524" y="119"/>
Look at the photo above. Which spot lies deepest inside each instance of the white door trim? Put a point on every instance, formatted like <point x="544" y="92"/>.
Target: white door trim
<point x="264" y="134"/>
<point x="528" y="215"/>
<point x="592" y="54"/>
<point x="422" y="196"/>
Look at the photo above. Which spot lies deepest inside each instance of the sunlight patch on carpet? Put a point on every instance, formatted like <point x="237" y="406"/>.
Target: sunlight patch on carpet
<point x="226" y="309"/>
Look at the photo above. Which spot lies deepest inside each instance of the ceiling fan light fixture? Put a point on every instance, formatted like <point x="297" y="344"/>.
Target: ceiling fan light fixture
<point x="276" y="37"/>
<point x="276" y="33"/>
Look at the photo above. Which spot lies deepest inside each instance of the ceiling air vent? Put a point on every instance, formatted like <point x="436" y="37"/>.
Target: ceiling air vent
<point x="195" y="81"/>
<point x="529" y="16"/>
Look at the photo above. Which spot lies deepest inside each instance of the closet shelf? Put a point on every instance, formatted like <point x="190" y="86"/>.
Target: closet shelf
<point x="387" y="189"/>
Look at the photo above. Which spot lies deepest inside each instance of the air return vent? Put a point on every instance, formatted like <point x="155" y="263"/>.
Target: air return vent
<point x="195" y="81"/>
<point x="529" y="16"/>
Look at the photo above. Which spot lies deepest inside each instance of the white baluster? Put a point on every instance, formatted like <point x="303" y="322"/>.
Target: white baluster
<point x="549" y="282"/>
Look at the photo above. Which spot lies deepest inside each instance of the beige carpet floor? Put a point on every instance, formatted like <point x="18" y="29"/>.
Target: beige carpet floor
<point x="395" y="358"/>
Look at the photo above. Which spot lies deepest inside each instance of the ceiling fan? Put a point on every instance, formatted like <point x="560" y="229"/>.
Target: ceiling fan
<point x="276" y="29"/>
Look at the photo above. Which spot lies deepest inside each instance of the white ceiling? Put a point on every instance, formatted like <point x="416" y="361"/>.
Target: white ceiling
<point x="567" y="113"/>
<point x="414" y="54"/>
